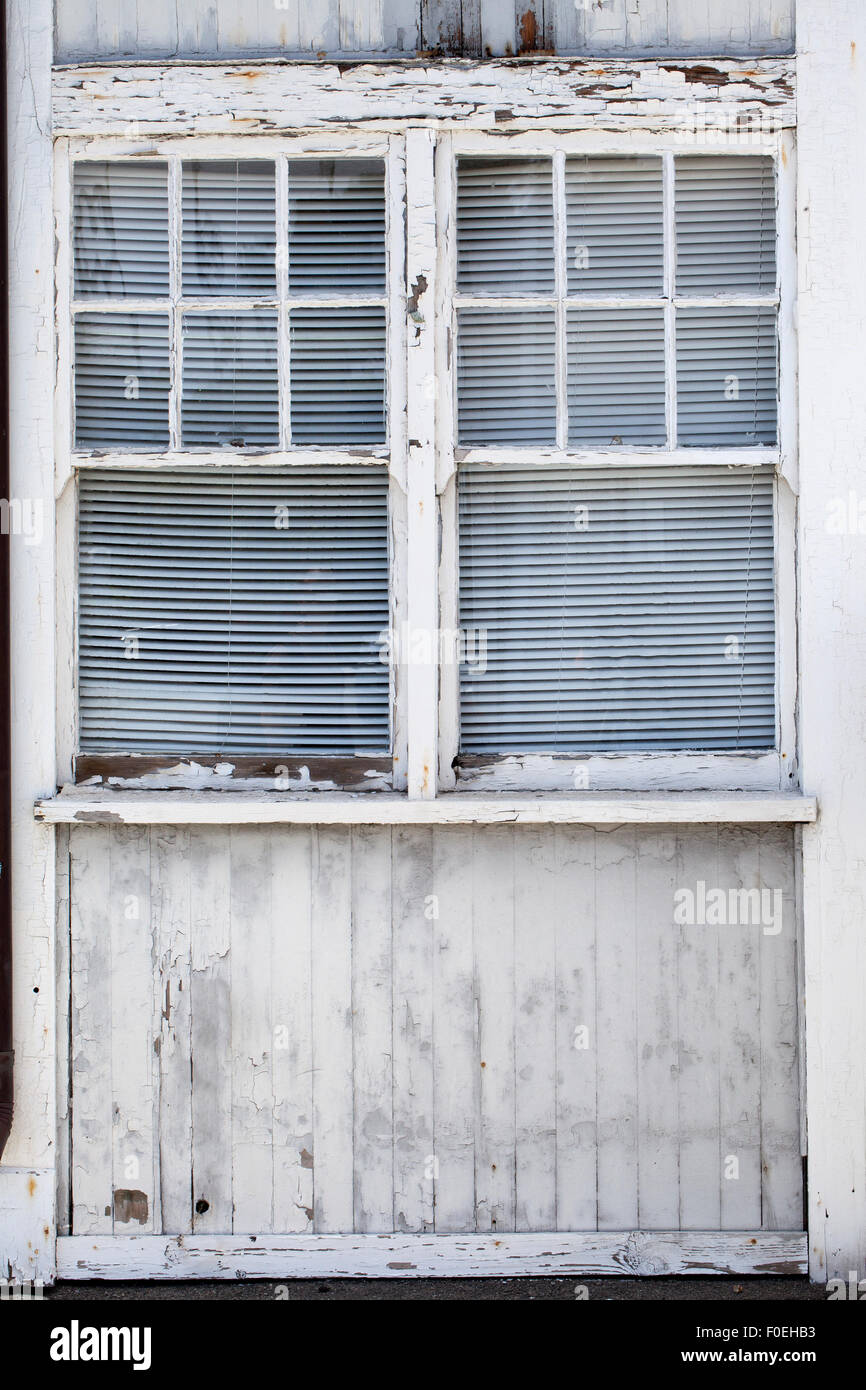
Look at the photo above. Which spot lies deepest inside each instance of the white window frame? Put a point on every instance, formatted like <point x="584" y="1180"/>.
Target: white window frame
<point x="323" y="773"/>
<point x="774" y="770"/>
<point x="423" y="456"/>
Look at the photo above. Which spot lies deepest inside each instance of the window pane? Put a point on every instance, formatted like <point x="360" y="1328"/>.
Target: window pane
<point x="121" y="381"/>
<point x="726" y="225"/>
<point x="616" y="376"/>
<point x="229" y="224"/>
<point x="506" y="376"/>
<point x="616" y="609"/>
<point x="338" y="376"/>
<point x="504" y="226"/>
<point x="120" y="229"/>
<point x="337" y="226"/>
<point x="726" y="376"/>
<point x="230" y="382"/>
<point x="615" y="219"/>
<point x="237" y="612"/>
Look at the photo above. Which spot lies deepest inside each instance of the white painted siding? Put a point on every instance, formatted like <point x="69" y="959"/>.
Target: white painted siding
<point x="489" y="28"/>
<point x="373" y="1030"/>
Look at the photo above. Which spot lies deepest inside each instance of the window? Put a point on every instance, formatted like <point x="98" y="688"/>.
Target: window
<point x="611" y="533"/>
<point x="227" y="311"/>
<point x="616" y="394"/>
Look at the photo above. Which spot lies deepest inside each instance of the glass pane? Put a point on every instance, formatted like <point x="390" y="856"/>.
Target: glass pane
<point x="229" y="236"/>
<point x="120" y="229"/>
<point x="504" y="226"/>
<point x="234" y="611"/>
<point x="338" y="376"/>
<point x="121" y="381"/>
<point x="506" y="377"/>
<point x="726" y="225"/>
<point x="616" y="609"/>
<point x="336" y="226"/>
<point x="726" y="376"/>
<point x="615" y="214"/>
<point x="230" y="382"/>
<point x="616" y="377"/>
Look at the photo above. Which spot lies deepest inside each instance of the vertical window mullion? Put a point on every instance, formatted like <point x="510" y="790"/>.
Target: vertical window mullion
<point x="669" y="287"/>
<point x="561" y="282"/>
<point x="284" y="356"/>
<point x="175" y="329"/>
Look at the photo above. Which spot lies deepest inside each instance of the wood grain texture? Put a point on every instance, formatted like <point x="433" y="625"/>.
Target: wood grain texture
<point x="415" y="1030"/>
<point x="459" y="28"/>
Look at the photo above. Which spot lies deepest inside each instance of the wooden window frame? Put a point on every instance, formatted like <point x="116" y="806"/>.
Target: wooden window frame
<point x="420" y="149"/>
<point x="773" y="770"/>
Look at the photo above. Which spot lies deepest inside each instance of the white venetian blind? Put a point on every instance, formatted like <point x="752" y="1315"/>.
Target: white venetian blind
<point x="614" y="212"/>
<point x="238" y="611"/>
<point x="504" y="226"/>
<point x="616" y="609"/>
<point x="229" y="228"/>
<point x="120" y="229"/>
<point x="230" y="380"/>
<point x="725" y="224"/>
<point x="121" y="381"/>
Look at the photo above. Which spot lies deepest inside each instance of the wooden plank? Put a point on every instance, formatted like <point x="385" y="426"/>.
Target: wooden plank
<point x="197" y="29"/>
<point x="372" y="1023"/>
<point x="400" y="26"/>
<point x="782" y="1187"/>
<point x="94" y="806"/>
<point x="361" y="26"/>
<point x="90" y="897"/>
<point x="75" y="29"/>
<point x="154" y="27"/>
<point x="291" y="985"/>
<point x="413" y="1256"/>
<point x="616" y="1024"/>
<point x="209" y="870"/>
<point x="277" y="98"/>
<point x="493" y="946"/>
<point x="134" y="1142"/>
<point x="657" y="1032"/>
<point x="414" y="1167"/>
<point x="63" y="1058"/>
<point x="535" y="1030"/>
<point x="449" y="906"/>
<point x="740" y="1053"/>
<point x="333" y="1177"/>
<point x="252" y="1033"/>
<point x="697" y="979"/>
<point x="498" y="26"/>
<point x="170" y="898"/>
<point x="573" y="911"/>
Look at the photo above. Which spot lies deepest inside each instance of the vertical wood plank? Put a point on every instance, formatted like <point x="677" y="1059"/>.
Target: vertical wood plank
<point x="251" y="1031"/>
<point x="657" y="1025"/>
<point x="211" y="1025"/>
<point x="91" y="1031"/>
<point x="333" y="1178"/>
<point x="401" y="26"/>
<point x="782" y="1192"/>
<point x="63" y="1059"/>
<point x="132" y="1003"/>
<point x="616" y="1006"/>
<point x="700" y="1160"/>
<point x="498" y="23"/>
<point x="197" y="29"/>
<point x="372" y="1018"/>
<point x="535" y="1029"/>
<point x="455" y="1059"/>
<point x="291" y="869"/>
<point x="413" y="1030"/>
<point x="493" y="940"/>
<point x="155" y="28"/>
<point x="576" y="1030"/>
<point x="170" y="897"/>
<point x="361" y="26"/>
<point x="739" y="1040"/>
<point x="646" y="24"/>
<point x="319" y="26"/>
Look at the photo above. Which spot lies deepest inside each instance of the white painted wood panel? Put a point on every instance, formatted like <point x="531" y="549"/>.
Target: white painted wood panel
<point x="203" y="28"/>
<point x="415" y="1030"/>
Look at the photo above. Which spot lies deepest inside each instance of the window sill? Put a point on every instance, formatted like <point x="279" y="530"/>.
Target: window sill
<point x="99" y="806"/>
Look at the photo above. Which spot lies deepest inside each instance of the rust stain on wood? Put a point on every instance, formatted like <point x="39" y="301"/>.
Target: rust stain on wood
<point x="130" y="1205"/>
